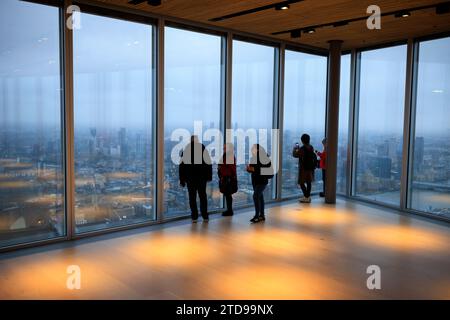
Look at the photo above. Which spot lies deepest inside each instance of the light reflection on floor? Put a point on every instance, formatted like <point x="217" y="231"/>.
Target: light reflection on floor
<point x="403" y="238"/>
<point x="301" y="252"/>
<point x="322" y="216"/>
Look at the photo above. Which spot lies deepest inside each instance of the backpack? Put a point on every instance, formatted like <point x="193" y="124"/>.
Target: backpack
<point x="309" y="160"/>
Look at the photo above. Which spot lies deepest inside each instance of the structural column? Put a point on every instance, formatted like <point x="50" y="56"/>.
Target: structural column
<point x="334" y="75"/>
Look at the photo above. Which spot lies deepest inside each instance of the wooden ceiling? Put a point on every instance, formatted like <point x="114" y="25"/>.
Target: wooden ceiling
<point x="309" y="13"/>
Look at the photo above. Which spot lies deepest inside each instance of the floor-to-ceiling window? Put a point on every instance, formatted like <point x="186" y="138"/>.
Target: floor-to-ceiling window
<point x="344" y="109"/>
<point x="380" y="130"/>
<point x="252" y="108"/>
<point x="305" y="86"/>
<point x="31" y="157"/>
<point x="193" y="104"/>
<point x="113" y="106"/>
<point x="430" y="174"/>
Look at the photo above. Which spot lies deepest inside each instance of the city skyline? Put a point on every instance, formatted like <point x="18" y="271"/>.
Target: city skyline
<point x="115" y="119"/>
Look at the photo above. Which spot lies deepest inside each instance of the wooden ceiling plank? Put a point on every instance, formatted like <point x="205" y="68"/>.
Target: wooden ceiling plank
<point x="308" y="13"/>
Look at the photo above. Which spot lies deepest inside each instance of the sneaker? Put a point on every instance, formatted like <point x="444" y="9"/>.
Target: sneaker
<point x="205" y="220"/>
<point x="194" y="221"/>
<point x="254" y="220"/>
<point x="227" y="213"/>
<point x="302" y="200"/>
<point x="262" y="218"/>
<point x="305" y="200"/>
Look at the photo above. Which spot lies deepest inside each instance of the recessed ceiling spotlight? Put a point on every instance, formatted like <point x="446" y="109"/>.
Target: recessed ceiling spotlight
<point x="310" y="30"/>
<point x="402" y="14"/>
<point x="282" y="7"/>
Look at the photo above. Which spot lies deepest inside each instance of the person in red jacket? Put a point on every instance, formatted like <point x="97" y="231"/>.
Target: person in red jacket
<point x="228" y="177"/>
<point x="323" y="164"/>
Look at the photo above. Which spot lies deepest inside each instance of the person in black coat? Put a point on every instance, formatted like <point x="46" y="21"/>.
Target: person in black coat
<point x="195" y="171"/>
<point x="261" y="170"/>
<point x="307" y="159"/>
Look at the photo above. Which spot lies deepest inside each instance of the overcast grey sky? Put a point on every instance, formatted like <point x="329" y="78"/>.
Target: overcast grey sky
<point x="113" y="76"/>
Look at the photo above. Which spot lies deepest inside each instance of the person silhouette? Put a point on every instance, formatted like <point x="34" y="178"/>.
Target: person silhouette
<point x="195" y="171"/>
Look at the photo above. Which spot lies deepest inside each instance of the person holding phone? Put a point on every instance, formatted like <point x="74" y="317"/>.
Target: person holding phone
<point x="307" y="160"/>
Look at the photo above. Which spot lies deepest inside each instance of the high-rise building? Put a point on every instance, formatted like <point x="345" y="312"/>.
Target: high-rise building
<point x="419" y="149"/>
<point x="380" y="167"/>
<point x="123" y="143"/>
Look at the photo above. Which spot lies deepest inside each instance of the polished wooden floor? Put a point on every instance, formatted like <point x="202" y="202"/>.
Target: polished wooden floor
<point x="301" y="252"/>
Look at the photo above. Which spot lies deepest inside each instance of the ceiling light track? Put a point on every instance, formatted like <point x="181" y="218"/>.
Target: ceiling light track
<point x="153" y="3"/>
<point x="284" y="5"/>
<point x="441" y="8"/>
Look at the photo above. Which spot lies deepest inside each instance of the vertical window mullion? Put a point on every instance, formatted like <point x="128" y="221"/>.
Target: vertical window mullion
<point x="228" y="85"/>
<point x="412" y="122"/>
<point x="354" y="121"/>
<point x="68" y="123"/>
<point x="159" y="155"/>
<point x="407" y="125"/>
<point x="280" y="122"/>
<point x="224" y="92"/>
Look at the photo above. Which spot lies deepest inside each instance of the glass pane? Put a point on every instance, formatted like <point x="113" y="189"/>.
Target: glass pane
<point x="253" y="102"/>
<point x="344" y="108"/>
<point x="31" y="158"/>
<point x="305" y="87"/>
<point x="193" y="97"/>
<point x="380" y="135"/>
<point x="113" y="96"/>
<point x="431" y="153"/>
